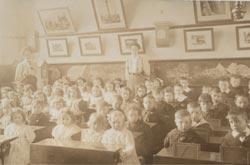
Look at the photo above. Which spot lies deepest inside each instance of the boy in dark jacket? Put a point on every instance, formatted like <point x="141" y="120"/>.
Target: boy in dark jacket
<point x="38" y="118"/>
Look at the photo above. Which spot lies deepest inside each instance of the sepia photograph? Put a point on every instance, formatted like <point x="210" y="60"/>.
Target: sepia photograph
<point x="125" y="82"/>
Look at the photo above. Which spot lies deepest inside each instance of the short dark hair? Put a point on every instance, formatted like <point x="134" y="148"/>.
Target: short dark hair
<point x="237" y="112"/>
<point x="181" y="113"/>
<point x="17" y="111"/>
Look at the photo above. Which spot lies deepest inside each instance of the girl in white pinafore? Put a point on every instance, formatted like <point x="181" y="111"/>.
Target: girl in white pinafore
<point x="20" y="148"/>
<point x="119" y="135"/>
<point x="66" y="127"/>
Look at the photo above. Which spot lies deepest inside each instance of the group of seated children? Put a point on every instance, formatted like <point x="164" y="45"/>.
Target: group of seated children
<point x="110" y="115"/>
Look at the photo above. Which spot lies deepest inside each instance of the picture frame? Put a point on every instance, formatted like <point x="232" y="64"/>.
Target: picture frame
<point x="90" y="45"/>
<point x="207" y="11"/>
<point x="243" y="37"/>
<point x="109" y="14"/>
<point x="125" y="40"/>
<point x="57" y="47"/>
<point x="197" y="40"/>
<point x="56" y="21"/>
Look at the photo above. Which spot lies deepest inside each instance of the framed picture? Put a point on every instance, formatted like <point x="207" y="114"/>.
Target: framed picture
<point x="57" y="47"/>
<point x="243" y="37"/>
<point x="90" y="45"/>
<point x="56" y="21"/>
<point x="109" y="14"/>
<point x="212" y="11"/>
<point x="199" y="40"/>
<point x="125" y="41"/>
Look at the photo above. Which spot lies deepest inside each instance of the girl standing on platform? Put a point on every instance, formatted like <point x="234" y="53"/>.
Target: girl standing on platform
<point x="97" y="124"/>
<point x="20" y="148"/>
<point x="119" y="135"/>
<point x="66" y="127"/>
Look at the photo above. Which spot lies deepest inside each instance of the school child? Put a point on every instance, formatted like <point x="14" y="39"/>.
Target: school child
<point x="149" y="84"/>
<point x="4" y="92"/>
<point x="57" y="104"/>
<point x="117" y="103"/>
<point x="81" y="83"/>
<point x="15" y="101"/>
<point x="48" y="92"/>
<point x="84" y="89"/>
<point x="96" y="95"/>
<point x="126" y="98"/>
<point x="205" y="101"/>
<point x="180" y="98"/>
<point x="109" y="92"/>
<point x="38" y="117"/>
<point x="57" y="92"/>
<point x="242" y="103"/>
<point x="169" y="97"/>
<point x="98" y="82"/>
<point x="158" y="83"/>
<point x="150" y="114"/>
<point x="224" y="87"/>
<point x="183" y="132"/>
<point x="218" y="106"/>
<point x="66" y="126"/>
<point x="140" y="94"/>
<point x="119" y="135"/>
<point x="97" y="124"/>
<point x="20" y="148"/>
<point x="240" y="134"/>
<point x="27" y="98"/>
<point x="236" y="88"/>
<point x="187" y="91"/>
<point x="198" y="121"/>
<point x="135" y="124"/>
<point x="103" y="107"/>
<point x="73" y="95"/>
<point x="118" y="85"/>
<point x="166" y="110"/>
<point x="206" y="89"/>
<point x="41" y="97"/>
<point x="6" y="106"/>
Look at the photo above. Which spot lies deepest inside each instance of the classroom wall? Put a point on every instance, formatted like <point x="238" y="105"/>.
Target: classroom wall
<point x="138" y="16"/>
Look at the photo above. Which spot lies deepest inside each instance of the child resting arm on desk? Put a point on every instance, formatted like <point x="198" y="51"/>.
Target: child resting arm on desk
<point x="183" y="132"/>
<point x="119" y="135"/>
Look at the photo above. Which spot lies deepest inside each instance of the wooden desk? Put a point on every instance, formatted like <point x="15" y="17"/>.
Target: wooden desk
<point x="165" y="156"/>
<point x="51" y="151"/>
<point x="221" y="131"/>
<point x="3" y="142"/>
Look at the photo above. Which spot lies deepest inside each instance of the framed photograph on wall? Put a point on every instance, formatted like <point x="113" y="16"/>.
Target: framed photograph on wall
<point x="109" y="14"/>
<point x="243" y="37"/>
<point x="57" y="47"/>
<point x="199" y="40"/>
<point x="206" y="11"/>
<point x="125" y="41"/>
<point x="90" y="45"/>
<point x="56" y="21"/>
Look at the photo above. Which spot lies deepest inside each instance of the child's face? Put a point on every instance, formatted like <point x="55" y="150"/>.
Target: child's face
<point x="149" y="85"/>
<point x="178" y="90"/>
<point x="110" y="87"/>
<point x="205" y="106"/>
<point x="158" y="96"/>
<point x="183" y="124"/>
<point x="37" y="108"/>
<point x="97" y="83"/>
<point x="58" y="93"/>
<point x="148" y="104"/>
<point x="216" y="97"/>
<point x="223" y="85"/>
<point x="40" y="97"/>
<point x="125" y="95"/>
<point x="95" y="125"/>
<point x="133" y="116"/>
<point x="237" y="123"/>
<point x="18" y="119"/>
<point x="157" y="84"/>
<point x="28" y="92"/>
<point x="58" y="105"/>
<point x="116" y="123"/>
<point x="73" y="93"/>
<point x="184" y="83"/>
<point x="235" y="82"/>
<point x="116" y="104"/>
<point x="169" y="97"/>
<point x="195" y="114"/>
<point x="47" y="91"/>
<point x="241" y="102"/>
<point x="66" y="120"/>
<point x="206" y="89"/>
<point x="80" y="82"/>
<point x="141" y="92"/>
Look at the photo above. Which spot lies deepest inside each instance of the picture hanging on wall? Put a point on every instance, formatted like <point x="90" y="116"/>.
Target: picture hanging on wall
<point x="90" y="45"/>
<point x="243" y="37"/>
<point x="109" y="14"/>
<point x="56" y="21"/>
<point x="208" y="11"/>
<point x="57" y="47"/>
<point x="126" y="40"/>
<point x="199" y="40"/>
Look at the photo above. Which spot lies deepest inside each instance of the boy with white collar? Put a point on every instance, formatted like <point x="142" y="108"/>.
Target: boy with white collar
<point x="240" y="135"/>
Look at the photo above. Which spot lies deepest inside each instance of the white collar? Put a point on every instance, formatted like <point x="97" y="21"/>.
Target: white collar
<point x="247" y="131"/>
